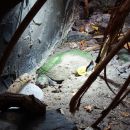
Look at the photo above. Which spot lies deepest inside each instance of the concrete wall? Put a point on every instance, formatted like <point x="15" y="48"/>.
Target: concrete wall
<point x="46" y="30"/>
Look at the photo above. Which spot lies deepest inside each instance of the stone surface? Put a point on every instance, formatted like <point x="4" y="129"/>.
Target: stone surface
<point x="47" y="29"/>
<point x="43" y="81"/>
<point x="124" y="55"/>
<point x="63" y="65"/>
<point x="32" y="89"/>
<point x="67" y="67"/>
<point x="89" y="128"/>
<point x="101" y="19"/>
<point x="77" y="36"/>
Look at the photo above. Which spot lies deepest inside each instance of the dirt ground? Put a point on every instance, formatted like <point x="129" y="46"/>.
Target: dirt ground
<point x="97" y="98"/>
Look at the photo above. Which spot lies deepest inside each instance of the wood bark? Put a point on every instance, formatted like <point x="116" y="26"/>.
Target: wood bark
<point x="28" y="103"/>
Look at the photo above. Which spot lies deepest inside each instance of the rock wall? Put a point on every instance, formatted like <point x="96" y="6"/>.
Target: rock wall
<point x="47" y="29"/>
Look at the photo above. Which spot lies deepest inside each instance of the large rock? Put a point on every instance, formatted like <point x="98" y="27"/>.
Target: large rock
<point x="62" y="65"/>
<point x="47" y="29"/>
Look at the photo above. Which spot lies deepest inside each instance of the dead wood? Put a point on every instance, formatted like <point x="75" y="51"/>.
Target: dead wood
<point x="115" y="25"/>
<point x="29" y="103"/>
<point x="19" y="83"/>
<point x="75" y="101"/>
<point x="114" y="103"/>
<point x="117" y="19"/>
<point x="33" y="11"/>
<point x="86" y="11"/>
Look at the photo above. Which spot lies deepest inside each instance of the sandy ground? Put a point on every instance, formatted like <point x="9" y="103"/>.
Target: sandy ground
<point x="98" y="97"/>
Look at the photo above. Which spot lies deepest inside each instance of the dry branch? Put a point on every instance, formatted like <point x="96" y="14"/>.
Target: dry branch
<point x="28" y="103"/>
<point x="115" y="25"/>
<point x="86" y="8"/>
<point x="34" y="10"/>
<point x="75" y="101"/>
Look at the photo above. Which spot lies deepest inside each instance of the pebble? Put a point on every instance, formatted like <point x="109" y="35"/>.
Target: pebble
<point x="32" y="89"/>
<point x="73" y="45"/>
<point x="92" y="42"/>
<point x="89" y="128"/>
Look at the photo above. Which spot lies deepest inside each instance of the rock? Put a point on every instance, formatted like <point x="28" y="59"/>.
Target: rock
<point x="74" y="36"/>
<point x="32" y="89"/>
<point x="101" y="19"/>
<point x="99" y="38"/>
<point x="37" y="21"/>
<point x="42" y="81"/>
<point x="89" y="29"/>
<point x="60" y="111"/>
<point x="53" y="83"/>
<point x="106" y="18"/>
<point x="67" y="67"/>
<point x="125" y="75"/>
<point x="89" y="108"/>
<point x="124" y="68"/>
<point x="61" y="65"/>
<point x="124" y="55"/>
<point x="103" y="25"/>
<point x="92" y="42"/>
<point x="89" y="128"/>
<point x="73" y="45"/>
